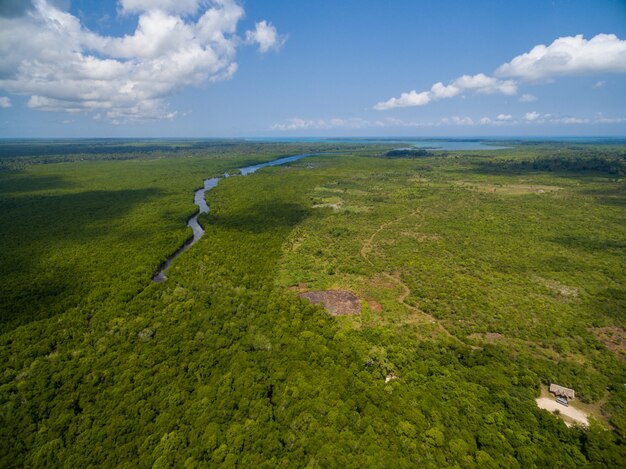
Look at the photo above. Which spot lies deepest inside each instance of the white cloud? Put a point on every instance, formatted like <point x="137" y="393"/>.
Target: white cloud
<point x="479" y="83"/>
<point x="482" y="83"/>
<point x="600" y="84"/>
<point x="170" y="6"/>
<point x="457" y="120"/>
<point x="5" y="102"/>
<point x="440" y="91"/>
<point x="532" y="116"/>
<point x="298" y="123"/>
<point x="266" y="36"/>
<point x="537" y="118"/>
<point x="571" y="120"/>
<point x="412" y="98"/>
<point x="609" y="120"/>
<point x="123" y="78"/>
<point x="527" y="98"/>
<point x="571" y="55"/>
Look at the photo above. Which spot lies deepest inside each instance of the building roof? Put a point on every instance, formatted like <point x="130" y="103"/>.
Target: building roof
<point x="562" y="391"/>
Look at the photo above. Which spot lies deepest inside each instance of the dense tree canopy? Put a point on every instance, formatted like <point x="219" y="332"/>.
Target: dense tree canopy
<point x="508" y="277"/>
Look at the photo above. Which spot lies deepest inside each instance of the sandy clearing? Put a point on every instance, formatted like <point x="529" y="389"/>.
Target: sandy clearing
<point x="551" y="405"/>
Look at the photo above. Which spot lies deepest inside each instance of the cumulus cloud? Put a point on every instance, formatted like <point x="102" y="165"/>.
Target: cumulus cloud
<point x="571" y="55"/>
<point x="124" y="78"/>
<point x="482" y="83"/>
<point x="5" y="102"/>
<point x="479" y="83"/>
<point x="527" y="98"/>
<point x="599" y="84"/>
<point x="412" y="98"/>
<point x="266" y="36"/>
<point x="531" y="116"/>
<point x="504" y="117"/>
<point x="440" y="91"/>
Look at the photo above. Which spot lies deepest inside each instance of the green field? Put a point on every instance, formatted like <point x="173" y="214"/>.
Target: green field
<point x="481" y="276"/>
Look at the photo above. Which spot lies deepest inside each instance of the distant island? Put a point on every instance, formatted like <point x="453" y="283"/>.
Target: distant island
<point x="409" y="153"/>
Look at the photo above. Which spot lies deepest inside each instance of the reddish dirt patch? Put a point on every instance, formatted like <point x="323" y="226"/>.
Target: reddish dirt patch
<point x="299" y="288"/>
<point x="336" y="302"/>
<point x="375" y="306"/>
<point x="614" y="338"/>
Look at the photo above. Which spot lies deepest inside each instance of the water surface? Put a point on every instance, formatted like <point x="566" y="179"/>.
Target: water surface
<point x="433" y="144"/>
<point x="200" y="200"/>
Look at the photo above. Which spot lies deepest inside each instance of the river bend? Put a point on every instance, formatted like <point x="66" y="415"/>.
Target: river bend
<point x="200" y="200"/>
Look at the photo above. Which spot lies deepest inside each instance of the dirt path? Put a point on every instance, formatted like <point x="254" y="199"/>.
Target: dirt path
<point x="366" y="249"/>
<point x="367" y="245"/>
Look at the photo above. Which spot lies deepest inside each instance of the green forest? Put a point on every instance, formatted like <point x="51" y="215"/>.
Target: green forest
<point x="482" y="276"/>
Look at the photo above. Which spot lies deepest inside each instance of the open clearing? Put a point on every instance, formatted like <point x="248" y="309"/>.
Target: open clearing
<point x="509" y="189"/>
<point x="336" y="302"/>
<point x="570" y="415"/>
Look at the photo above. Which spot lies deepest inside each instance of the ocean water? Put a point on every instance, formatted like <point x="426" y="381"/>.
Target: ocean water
<point x="434" y="144"/>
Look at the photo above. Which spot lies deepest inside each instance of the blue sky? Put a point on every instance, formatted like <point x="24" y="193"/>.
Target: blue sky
<point x="196" y="68"/>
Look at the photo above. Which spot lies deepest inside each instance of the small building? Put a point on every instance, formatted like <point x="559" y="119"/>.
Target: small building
<point x="562" y="391"/>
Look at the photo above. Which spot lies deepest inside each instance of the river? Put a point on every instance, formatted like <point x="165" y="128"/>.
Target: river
<point x="203" y="207"/>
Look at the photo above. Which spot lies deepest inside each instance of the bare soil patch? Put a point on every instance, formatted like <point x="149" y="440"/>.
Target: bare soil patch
<point x="570" y="415"/>
<point x="558" y="288"/>
<point x="488" y="337"/>
<point x="336" y="302"/>
<point x="336" y="206"/>
<point x="509" y="189"/>
<point x="614" y="338"/>
<point x="375" y="306"/>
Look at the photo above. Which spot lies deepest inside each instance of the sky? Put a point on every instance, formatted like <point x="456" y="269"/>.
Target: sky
<point x="280" y="68"/>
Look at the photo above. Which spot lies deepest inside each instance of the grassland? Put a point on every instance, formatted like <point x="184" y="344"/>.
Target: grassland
<point x="481" y="277"/>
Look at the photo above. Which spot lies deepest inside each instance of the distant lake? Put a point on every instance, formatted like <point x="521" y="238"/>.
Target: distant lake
<point x="436" y="144"/>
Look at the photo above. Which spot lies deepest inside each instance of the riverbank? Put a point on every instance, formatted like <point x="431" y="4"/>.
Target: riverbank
<point x="199" y="199"/>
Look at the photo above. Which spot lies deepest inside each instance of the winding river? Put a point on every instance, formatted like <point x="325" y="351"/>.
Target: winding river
<point x="203" y="207"/>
